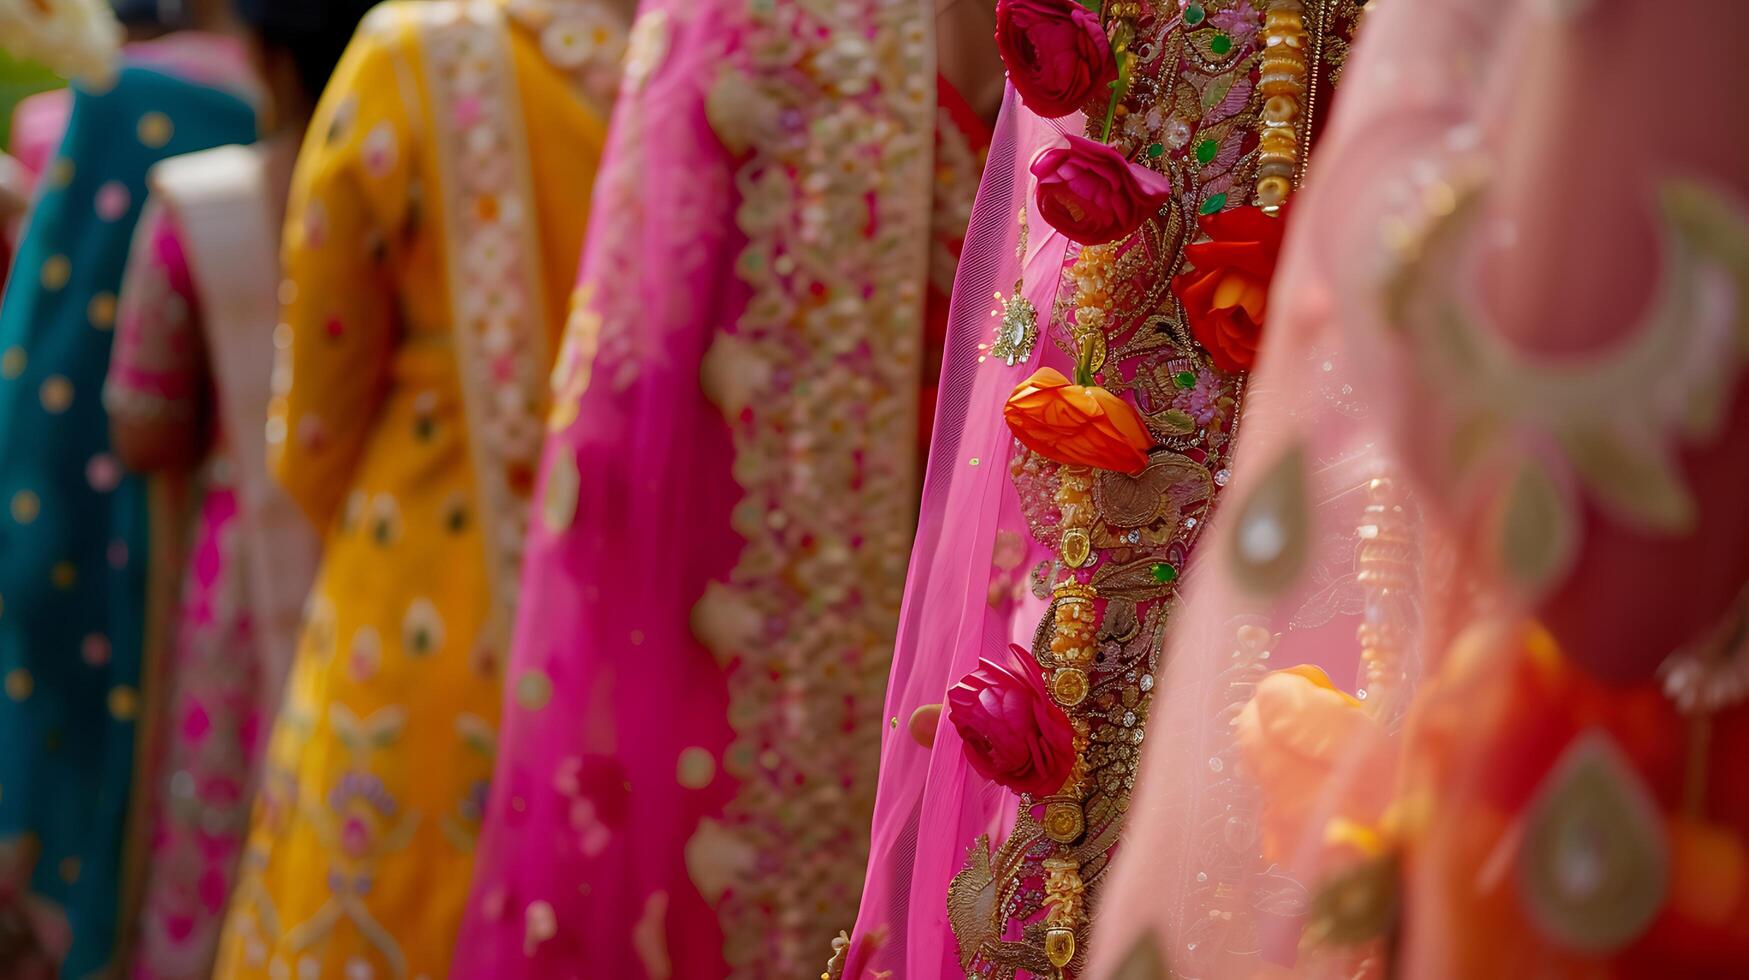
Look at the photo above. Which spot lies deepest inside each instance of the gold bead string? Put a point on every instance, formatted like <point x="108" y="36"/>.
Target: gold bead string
<point x="1283" y="83"/>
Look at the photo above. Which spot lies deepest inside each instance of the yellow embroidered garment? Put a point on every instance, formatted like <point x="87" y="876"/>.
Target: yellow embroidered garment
<point x="436" y="215"/>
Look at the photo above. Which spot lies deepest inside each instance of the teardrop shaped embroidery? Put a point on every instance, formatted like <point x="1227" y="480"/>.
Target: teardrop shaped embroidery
<point x="1268" y="543"/>
<point x="1537" y="534"/>
<point x="1594" y="867"/>
<point x="559" y="503"/>
<point x="1144" y="961"/>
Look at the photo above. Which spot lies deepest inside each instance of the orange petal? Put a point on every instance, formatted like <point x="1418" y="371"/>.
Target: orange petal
<point x="1707" y="865"/>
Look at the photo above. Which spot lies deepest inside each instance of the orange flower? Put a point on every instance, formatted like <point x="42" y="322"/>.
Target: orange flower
<point x="1317" y="757"/>
<point x="1226" y="295"/>
<point x="1081" y="425"/>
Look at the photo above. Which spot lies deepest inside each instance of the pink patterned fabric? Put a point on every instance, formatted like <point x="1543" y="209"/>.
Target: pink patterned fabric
<point x="687" y="756"/>
<point x="158" y="362"/>
<point x="218" y="673"/>
<point x="1491" y="480"/>
<point x="970" y="588"/>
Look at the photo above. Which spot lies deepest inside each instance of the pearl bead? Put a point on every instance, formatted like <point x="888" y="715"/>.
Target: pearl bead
<point x="1280" y="109"/>
<point x="1272" y="191"/>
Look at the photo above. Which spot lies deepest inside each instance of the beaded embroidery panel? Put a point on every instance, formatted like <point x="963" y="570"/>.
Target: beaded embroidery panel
<point x="836" y="205"/>
<point x="1195" y="113"/>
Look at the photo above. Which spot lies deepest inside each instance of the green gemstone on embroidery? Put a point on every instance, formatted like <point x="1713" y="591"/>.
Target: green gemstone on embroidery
<point x="1205" y="151"/>
<point x="1156" y="150"/>
<point x="1220" y="44"/>
<point x="1213" y="204"/>
<point x="1163" y="572"/>
<point x="1184" y="379"/>
<point x="1193" y="14"/>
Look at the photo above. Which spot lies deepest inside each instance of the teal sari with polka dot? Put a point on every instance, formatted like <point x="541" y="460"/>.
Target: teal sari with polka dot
<point x="74" y="533"/>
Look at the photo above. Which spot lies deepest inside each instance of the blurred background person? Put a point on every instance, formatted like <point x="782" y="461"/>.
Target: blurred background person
<point x="187" y="392"/>
<point x="437" y="210"/>
<point x="728" y="493"/>
<point x="180" y="39"/>
<point x="77" y="624"/>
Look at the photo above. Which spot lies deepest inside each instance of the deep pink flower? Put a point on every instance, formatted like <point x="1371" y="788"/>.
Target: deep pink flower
<point x="355" y="838"/>
<point x="1014" y="734"/>
<point x="1058" y="56"/>
<point x="1092" y="194"/>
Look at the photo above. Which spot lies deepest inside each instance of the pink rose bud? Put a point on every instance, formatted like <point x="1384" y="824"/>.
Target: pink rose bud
<point x="1014" y="734"/>
<point x="1092" y="194"/>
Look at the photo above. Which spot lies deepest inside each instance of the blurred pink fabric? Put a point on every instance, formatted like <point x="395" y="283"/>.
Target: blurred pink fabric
<point x="1500" y="404"/>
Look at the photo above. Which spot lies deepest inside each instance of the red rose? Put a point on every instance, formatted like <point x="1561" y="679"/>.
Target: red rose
<point x="1226" y="292"/>
<point x="1014" y="734"/>
<point x="1058" y="56"/>
<point x="1092" y="194"/>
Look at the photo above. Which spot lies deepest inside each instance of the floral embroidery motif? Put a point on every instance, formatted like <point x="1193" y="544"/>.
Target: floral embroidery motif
<point x="477" y="750"/>
<point x="585" y="40"/>
<point x="1621" y="452"/>
<point x="499" y="300"/>
<point x="359" y="822"/>
<point x="837" y="216"/>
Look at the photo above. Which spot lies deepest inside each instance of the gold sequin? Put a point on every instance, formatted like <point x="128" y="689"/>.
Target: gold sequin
<point x="55" y="272"/>
<point x="19" y="684"/>
<point x="559" y="503"/>
<point x="70" y="870"/>
<point x="64" y="574"/>
<point x="533" y="690"/>
<point x="25" y="506"/>
<point x="101" y="311"/>
<point x="695" y="768"/>
<point x="61" y="173"/>
<point x="12" y="363"/>
<point x="56" y="394"/>
<point x="124" y="703"/>
<point x="155" y="129"/>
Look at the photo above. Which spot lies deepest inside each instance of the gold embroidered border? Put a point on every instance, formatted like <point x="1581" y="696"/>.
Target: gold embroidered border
<point x="499" y="329"/>
<point x="825" y="455"/>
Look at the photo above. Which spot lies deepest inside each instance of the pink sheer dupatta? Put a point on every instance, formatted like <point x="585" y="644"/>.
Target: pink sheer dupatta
<point x="968" y="593"/>
<point x="1486" y="484"/>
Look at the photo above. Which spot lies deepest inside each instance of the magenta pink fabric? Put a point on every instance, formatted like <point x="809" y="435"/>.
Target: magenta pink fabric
<point x="613" y="842"/>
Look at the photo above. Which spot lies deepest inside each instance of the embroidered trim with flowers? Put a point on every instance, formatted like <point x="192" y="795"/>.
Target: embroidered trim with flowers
<point x="1118" y="468"/>
<point x="583" y="38"/>
<point x="494" y="279"/>
<point x="832" y="108"/>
